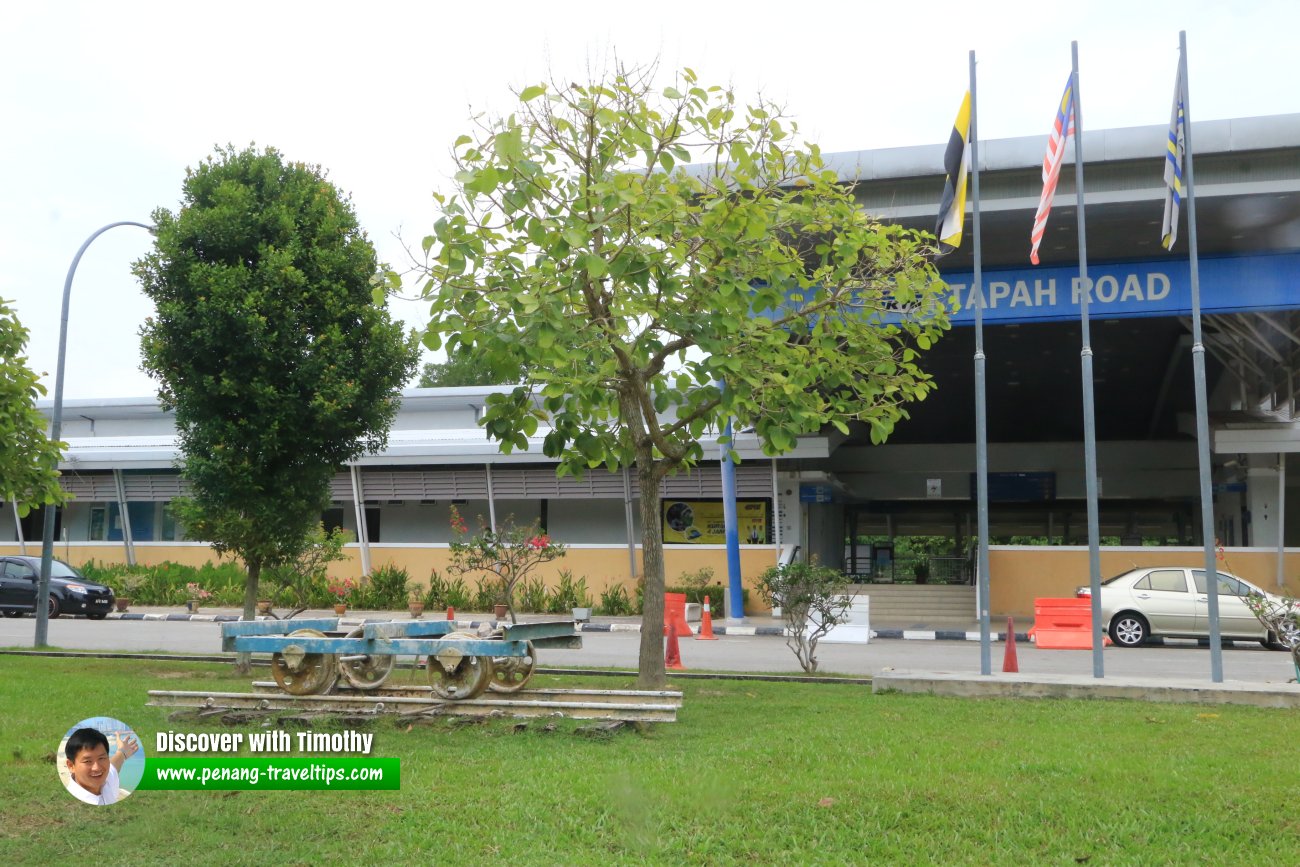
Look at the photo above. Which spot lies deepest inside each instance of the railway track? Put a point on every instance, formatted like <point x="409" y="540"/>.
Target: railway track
<point x="414" y="700"/>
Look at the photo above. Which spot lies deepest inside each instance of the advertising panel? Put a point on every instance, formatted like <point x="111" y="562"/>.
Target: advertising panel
<point x="700" y="522"/>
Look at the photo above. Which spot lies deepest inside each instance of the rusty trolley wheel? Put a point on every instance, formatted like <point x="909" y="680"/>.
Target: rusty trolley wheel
<point x="511" y="673"/>
<point x="454" y="674"/>
<point x="365" y="670"/>
<point x="301" y="673"/>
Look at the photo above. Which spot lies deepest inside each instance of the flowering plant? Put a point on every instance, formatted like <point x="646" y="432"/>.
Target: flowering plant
<point x="507" y="553"/>
<point x="197" y="593"/>
<point x="342" y="589"/>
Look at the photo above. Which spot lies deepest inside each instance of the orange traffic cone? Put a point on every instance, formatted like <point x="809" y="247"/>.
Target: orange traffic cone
<point x="451" y="613"/>
<point x="1009" y="661"/>
<point x="706" y="625"/>
<point x="673" y="656"/>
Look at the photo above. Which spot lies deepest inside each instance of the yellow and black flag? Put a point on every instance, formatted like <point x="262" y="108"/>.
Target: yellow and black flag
<point x="956" y="163"/>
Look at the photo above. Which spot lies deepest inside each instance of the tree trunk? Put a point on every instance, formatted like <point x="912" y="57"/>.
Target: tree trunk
<point x="650" y="665"/>
<point x="243" y="660"/>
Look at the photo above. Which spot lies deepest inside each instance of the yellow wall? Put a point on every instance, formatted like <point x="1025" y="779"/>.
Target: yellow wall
<point x="1019" y="574"/>
<point x="602" y="567"/>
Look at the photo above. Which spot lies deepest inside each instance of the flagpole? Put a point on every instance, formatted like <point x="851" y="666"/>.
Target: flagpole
<point x="981" y="422"/>
<point x="1089" y="412"/>
<point x="1198" y="373"/>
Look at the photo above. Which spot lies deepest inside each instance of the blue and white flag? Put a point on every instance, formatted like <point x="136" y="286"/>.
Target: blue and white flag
<point x="1175" y="152"/>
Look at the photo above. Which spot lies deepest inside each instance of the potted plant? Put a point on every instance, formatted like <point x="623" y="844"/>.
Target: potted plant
<point x="126" y="591"/>
<point x="922" y="571"/>
<point x="415" y="605"/>
<point x="196" y="596"/>
<point x="341" y="590"/>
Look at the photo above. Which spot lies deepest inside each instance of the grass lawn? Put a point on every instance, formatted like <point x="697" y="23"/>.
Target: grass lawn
<point x="751" y="773"/>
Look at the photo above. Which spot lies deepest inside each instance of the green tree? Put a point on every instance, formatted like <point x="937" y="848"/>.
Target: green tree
<point x="465" y="370"/>
<point x="580" y="245"/>
<point x="29" y="461"/>
<point x="272" y="344"/>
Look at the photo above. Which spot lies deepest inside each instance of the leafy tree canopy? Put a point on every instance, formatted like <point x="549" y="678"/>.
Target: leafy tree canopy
<point x="270" y="346"/>
<point x="631" y="247"/>
<point x="29" y="461"/>
<point x="465" y="370"/>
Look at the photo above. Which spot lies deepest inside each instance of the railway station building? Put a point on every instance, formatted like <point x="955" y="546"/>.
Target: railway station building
<point x="861" y="506"/>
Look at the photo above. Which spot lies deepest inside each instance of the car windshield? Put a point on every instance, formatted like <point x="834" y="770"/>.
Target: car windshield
<point x="59" y="569"/>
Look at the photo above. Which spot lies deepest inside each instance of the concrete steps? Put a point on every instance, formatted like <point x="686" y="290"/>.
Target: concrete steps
<point x="931" y="604"/>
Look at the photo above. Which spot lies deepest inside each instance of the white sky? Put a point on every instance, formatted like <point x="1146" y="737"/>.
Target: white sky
<point x="105" y="104"/>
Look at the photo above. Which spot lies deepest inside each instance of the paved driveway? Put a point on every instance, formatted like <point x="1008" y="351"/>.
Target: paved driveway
<point x="733" y="653"/>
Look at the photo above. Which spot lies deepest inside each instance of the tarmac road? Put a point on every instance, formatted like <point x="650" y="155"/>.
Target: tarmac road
<point x="729" y="653"/>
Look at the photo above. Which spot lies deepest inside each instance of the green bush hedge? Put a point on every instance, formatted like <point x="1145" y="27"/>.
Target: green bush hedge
<point x="697" y="594"/>
<point x="165" y="584"/>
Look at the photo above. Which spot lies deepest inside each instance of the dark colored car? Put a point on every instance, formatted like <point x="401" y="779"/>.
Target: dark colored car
<point x="69" y="592"/>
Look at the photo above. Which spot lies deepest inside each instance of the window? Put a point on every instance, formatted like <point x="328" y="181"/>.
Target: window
<point x="98" y="523"/>
<point x="33" y="523"/>
<point x="332" y="519"/>
<point x="1164" y="580"/>
<point x="1228" y="586"/>
<point x="170" y="530"/>
<point x="18" y="570"/>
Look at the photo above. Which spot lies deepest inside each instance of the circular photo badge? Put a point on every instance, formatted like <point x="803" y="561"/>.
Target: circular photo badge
<point x="100" y="760"/>
<point x="680" y="517"/>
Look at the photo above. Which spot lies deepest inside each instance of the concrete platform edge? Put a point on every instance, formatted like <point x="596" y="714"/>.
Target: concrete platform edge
<point x="1021" y="685"/>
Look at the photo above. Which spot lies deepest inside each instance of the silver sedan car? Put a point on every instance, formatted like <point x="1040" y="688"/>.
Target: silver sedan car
<point x="1172" y="601"/>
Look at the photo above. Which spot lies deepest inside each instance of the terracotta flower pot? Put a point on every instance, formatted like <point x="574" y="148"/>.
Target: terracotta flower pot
<point x="416" y="608"/>
<point x="123" y="603"/>
<point x="264" y="606"/>
<point x="500" y="611"/>
<point x="340" y="609"/>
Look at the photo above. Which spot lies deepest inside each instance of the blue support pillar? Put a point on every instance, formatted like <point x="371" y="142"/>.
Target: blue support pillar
<point x="735" y="595"/>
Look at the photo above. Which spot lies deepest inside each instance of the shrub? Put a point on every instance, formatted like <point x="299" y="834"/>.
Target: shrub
<point x="812" y="601"/>
<point x="614" y="602"/>
<point x="389" y="587"/>
<point x="302" y="583"/>
<point x="458" y="595"/>
<point x="568" y="594"/>
<point x="487" y="592"/>
<point x="435" y="596"/>
<point x="165" y="583"/>
<point x="715" y="594"/>
<point x="697" y="580"/>
<point x="532" y="594"/>
<point x="507" y="553"/>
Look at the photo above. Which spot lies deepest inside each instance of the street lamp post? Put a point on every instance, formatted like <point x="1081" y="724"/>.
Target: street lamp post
<point x="56" y="431"/>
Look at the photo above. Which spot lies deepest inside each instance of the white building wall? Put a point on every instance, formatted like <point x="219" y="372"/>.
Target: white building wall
<point x="590" y="522"/>
<point x="76" y="426"/>
<point x="441" y="419"/>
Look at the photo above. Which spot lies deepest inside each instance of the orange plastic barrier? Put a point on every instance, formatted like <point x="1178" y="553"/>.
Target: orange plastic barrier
<point x="675" y="612"/>
<point x="1063" y="624"/>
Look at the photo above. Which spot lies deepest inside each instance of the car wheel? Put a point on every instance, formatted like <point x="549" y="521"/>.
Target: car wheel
<point x="1129" y="629"/>
<point x="98" y="615"/>
<point x="54" y="607"/>
<point x="10" y="612"/>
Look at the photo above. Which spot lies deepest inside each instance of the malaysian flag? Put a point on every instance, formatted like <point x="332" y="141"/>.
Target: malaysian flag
<point x="1174" y="154"/>
<point x="956" y="163"/>
<point x="1062" y="129"/>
